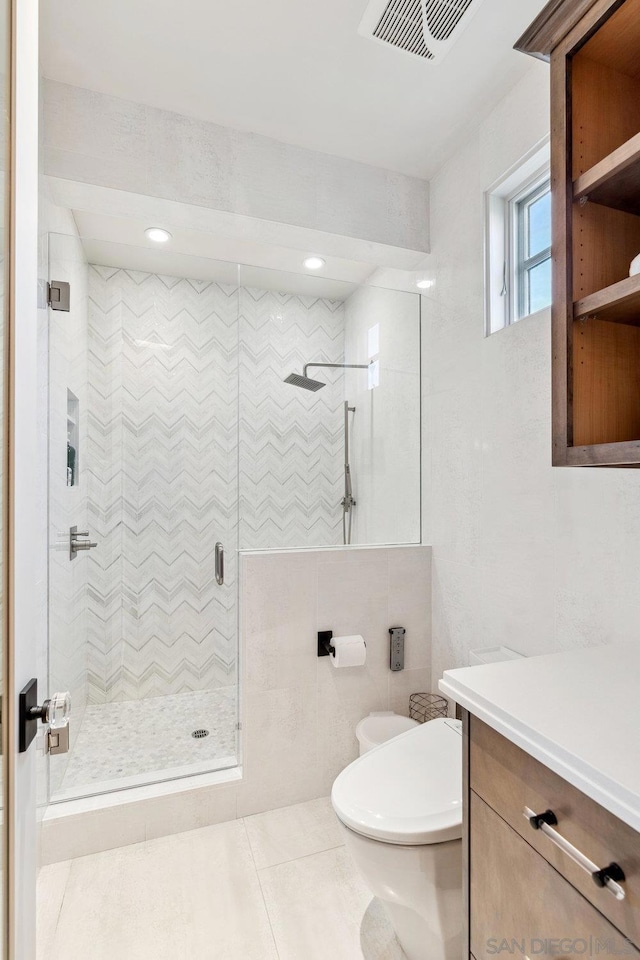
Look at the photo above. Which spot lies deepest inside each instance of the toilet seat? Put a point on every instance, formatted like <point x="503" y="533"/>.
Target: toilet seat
<point x="407" y="791"/>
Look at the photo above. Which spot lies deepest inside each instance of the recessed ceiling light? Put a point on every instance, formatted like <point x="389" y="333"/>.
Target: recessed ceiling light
<point x="314" y="263"/>
<point x="157" y="234"/>
<point x="424" y="284"/>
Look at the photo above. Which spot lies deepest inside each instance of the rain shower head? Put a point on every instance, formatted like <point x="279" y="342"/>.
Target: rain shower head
<point x="305" y="382"/>
<point x="302" y="380"/>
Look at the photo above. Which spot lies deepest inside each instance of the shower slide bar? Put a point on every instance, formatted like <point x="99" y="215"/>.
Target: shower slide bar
<point x="348" y="502"/>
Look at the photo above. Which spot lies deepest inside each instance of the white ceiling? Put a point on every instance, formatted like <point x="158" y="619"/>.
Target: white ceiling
<point x="188" y="245"/>
<point x="206" y="245"/>
<point x="295" y="70"/>
<point x="121" y="242"/>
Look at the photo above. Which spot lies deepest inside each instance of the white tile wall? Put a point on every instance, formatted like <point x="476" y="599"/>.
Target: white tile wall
<point x="385" y="428"/>
<point x="299" y="712"/>
<point x="526" y="555"/>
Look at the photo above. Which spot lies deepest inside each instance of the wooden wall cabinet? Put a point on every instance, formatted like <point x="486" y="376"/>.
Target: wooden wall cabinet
<point x="594" y="50"/>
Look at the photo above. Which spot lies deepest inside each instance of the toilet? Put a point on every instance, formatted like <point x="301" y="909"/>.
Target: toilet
<point x="400" y="807"/>
<point x="381" y="726"/>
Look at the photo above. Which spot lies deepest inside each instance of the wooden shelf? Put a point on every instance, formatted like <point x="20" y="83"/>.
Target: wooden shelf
<point x="595" y="176"/>
<point x="614" y="181"/>
<point x="619" y="303"/>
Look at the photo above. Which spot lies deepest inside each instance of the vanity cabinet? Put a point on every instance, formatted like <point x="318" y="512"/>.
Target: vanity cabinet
<point x="594" y="51"/>
<point x="526" y="894"/>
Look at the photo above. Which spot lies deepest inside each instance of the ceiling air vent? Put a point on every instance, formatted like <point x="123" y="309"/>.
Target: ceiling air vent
<point x="426" y="28"/>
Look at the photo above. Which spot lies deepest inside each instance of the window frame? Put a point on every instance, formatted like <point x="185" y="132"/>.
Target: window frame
<point x="505" y="271"/>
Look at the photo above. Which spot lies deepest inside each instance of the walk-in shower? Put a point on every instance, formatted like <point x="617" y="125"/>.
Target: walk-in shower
<point x="306" y="383"/>
<point x="169" y="381"/>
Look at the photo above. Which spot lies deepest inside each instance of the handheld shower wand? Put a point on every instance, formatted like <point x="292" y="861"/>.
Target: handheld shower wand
<point x="307" y="383"/>
<point x="348" y="502"/>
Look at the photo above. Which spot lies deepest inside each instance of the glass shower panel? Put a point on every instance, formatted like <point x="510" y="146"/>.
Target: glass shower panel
<point x="291" y="439"/>
<point x="330" y="412"/>
<point x="382" y="330"/>
<point x="143" y="410"/>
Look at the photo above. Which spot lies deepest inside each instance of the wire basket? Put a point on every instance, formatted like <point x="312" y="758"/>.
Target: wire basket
<point x="427" y="706"/>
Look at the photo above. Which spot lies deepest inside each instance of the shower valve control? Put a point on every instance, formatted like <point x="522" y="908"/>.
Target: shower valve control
<point x="396" y="659"/>
<point x="78" y="540"/>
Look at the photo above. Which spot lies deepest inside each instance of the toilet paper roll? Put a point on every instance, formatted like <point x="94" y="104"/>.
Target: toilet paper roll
<point x="350" y="651"/>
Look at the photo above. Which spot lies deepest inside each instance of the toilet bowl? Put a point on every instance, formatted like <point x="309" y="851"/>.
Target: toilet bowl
<point x="381" y="726"/>
<point x="400" y="807"/>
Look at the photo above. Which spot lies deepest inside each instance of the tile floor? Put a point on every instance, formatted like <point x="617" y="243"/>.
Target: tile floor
<point x="139" y="741"/>
<point x="276" y="886"/>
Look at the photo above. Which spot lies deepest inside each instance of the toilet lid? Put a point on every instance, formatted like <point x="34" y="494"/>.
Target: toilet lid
<point x="408" y="790"/>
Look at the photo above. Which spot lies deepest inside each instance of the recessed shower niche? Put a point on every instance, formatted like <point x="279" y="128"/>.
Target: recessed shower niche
<point x="187" y="433"/>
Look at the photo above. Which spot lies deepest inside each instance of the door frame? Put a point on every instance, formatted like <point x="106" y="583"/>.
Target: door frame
<point x="20" y="459"/>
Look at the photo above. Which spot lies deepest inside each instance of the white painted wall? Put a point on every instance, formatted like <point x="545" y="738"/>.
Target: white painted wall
<point x="98" y="139"/>
<point x="527" y="555"/>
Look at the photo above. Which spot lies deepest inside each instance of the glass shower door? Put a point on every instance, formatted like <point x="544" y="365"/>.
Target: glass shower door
<point x="143" y="427"/>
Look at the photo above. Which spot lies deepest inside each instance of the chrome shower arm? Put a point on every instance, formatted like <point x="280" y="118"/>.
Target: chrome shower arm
<point x="338" y="366"/>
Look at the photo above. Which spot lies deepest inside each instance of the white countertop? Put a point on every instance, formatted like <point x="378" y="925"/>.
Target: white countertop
<point x="578" y="713"/>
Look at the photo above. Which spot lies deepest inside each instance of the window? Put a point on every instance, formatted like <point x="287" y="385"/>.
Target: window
<point x="532" y="275"/>
<point x="518" y="243"/>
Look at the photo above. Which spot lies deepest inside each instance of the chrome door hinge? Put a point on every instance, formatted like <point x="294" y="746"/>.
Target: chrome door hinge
<point x="54" y="740"/>
<point x="59" y="295"/>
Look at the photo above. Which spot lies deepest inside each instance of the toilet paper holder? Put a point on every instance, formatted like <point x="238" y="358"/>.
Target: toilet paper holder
<point x="325" y="647"/>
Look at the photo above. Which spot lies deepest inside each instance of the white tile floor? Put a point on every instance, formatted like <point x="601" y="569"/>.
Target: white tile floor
<point x="276" y="886"/>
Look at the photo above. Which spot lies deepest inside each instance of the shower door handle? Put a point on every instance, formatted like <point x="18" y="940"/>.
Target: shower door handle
<point x="219" y="563"/>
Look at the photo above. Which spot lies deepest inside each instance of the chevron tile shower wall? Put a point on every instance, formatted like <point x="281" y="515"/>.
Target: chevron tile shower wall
<point x="291" y="441"/>
<point x="162" y="453"/>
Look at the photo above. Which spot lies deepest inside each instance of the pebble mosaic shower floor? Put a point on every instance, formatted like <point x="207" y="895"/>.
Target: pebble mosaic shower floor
<point x="140" y="741"/>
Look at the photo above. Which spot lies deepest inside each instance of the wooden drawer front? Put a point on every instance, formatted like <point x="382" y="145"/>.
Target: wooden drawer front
<point x="522" y="907"/>
<point x="510" y="780"/>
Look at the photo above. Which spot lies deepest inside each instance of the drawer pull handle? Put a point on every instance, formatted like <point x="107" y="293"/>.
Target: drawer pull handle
<point x="613" y="872"/>
<point x="609" y="877"/>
